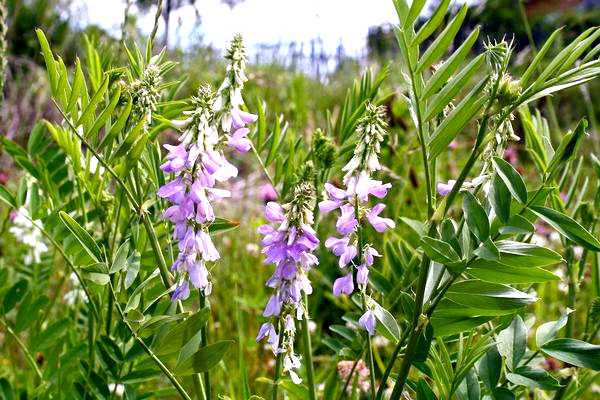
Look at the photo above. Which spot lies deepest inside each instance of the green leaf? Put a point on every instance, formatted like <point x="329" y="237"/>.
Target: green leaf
<point x="533" y="378"/>
<point x="569" y="146"/>
<point x="413" y="12"/>
<point x="519" y="254"/>
<point x="500" y="198"/>
<point x="182" y="333"/>
<point x="439" y="251"/>
<point x="89" y="112"/>
<point x="511" y="179"/>
<point x="548" y="331"/>
<point x="49" y="60"/>
<point x="453" y="87"/>
<point x="133" y="268"/>
<point x="476" y="217"/>
<point x="14" y="295"/>
<point x="568" y="227"/>
<point x="204" y="359"/>
<point x="423" y="391"/>
<point x="575" y="352"/>
<point x="432" y="23"/>
<point x="449" y="67"/>
<point x="532" y="68"/>
<point x="517" y="224"/>
<point x="441" y="43"/>
<point x="489" y="367"/>
<point x="120" y="260"/>
<point x="446" y="326"/>
<point x="7" y="197"/>
<point x="388" y="326"/>
<point x="512" y="342"/>
<point x="82" y="236"/>
<point x="496" y="272"/>
<point x="487" y="250"/>
<point x="222" y="225"/>
<point x="488" y="296"/>
<point x="106" y="113"/>
<point x="456" y="120"/>
<point x="469" y="388"/>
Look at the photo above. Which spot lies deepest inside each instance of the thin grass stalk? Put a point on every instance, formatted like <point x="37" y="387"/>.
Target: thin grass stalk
<point x="310" y="374"/>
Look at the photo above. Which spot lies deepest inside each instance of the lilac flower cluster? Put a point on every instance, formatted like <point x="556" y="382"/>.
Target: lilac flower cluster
<point x="199" y="163"/>
<point x="356" y="256"/>
<point x="288" y="245"/>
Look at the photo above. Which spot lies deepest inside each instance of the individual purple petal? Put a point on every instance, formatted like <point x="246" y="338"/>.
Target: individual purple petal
<point x="181" y="292"/>
<point x="380" y="224"/>
<point x="171" y="189"/>
<point x="274" y="212"/>
<point x="347" y="222"/>
<point x="334" y="192"/>
<point x="273" y="307"/>
<point x="198" y="275"/>
<point x="206" y="246"/>
<point x="368" y="322"/>
<point x="241" y="118"/>
<point x="337" y="246"/>
<point x="239" y="141"/>
<point x="369" y="254"/>
<point x="343" y="285"/>
<point x="264" y="331"/>
<point x="326" y="206"/>
<point x="362" y="275"/>
<point x="347" y="256"/>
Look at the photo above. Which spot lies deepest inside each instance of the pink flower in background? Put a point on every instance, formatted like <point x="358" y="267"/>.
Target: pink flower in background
<point x="267" y="193"/>
<point x="511" y="155"/>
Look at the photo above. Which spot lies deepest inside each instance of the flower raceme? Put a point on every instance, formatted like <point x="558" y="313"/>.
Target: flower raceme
<point x="356" y="256"/>
<point x="288" y="243"/>
<point x="199" y="164"/>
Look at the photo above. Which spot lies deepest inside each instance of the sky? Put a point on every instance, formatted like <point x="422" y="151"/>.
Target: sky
<point x="259" y="21"/>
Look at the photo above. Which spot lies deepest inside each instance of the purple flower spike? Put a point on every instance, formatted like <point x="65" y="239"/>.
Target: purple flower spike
<point x="368" y="322"/>
<point x="343" y="285"/>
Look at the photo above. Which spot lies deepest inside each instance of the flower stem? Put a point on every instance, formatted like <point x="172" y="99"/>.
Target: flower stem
<point x="203" y="343"/>
<point x="310" y="374"/>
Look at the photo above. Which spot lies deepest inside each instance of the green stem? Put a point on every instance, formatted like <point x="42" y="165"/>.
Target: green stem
<point x="263" y="167"/>
<point x="310" y="374"/>
<point x="24" y="349"/>
<point x="204" y="343"/>
<point x="388" y="369"/>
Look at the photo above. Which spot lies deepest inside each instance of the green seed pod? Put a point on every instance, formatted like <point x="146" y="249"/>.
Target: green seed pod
<point x="323" y="150"/>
